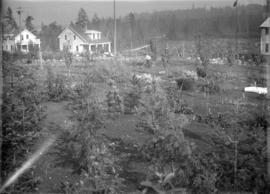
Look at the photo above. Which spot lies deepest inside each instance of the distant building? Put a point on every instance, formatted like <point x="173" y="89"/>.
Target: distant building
<point x="78" y="41"/>
<point x="22" y="40"/>
<point x="265" y="37"/>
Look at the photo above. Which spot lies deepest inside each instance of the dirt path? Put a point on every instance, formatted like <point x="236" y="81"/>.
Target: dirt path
<point x="56" y="113"/>
<point x="50" y="176"/>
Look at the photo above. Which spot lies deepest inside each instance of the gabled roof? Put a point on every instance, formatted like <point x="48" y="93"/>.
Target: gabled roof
<point x="17" y="32"/>
<point x="266" y="23"/>
<point x="77" y="32"/>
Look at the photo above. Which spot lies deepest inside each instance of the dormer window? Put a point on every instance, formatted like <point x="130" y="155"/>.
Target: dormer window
<point x="27" y="36"/>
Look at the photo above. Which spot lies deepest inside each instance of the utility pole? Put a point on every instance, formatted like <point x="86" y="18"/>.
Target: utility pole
<point x="236" y="31"/>
<point x="267" y="14"/>
<point x="235" y="141"/>
<point x="19" y="11"/>
<point x="114" y="40"/>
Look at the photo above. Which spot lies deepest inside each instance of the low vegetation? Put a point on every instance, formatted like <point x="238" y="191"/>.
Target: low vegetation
<point x="137" y="129"/>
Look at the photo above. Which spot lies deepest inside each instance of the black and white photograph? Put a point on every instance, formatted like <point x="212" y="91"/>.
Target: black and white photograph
<point x="135" y="97"/>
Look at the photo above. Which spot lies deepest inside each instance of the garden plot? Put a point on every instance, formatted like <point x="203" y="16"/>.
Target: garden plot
<point x="128" y="137"/>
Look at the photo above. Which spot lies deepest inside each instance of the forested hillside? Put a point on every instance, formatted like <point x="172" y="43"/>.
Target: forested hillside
<point x="176" y="25"/>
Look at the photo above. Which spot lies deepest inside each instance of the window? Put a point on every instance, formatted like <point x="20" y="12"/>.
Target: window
<point x="74" y="37"/>
<point x="266" y="47"/>
<point x="266" y="31"/>
<point x="27" y="36"/>
<point x="93" y="36"/>
<point x="21" y="37"/>
<point x="24" y="47"/>
<point x="11" y="47"/>
<point x="65" y="37"/>
<point x="77" y="48"/>
<point x="6" y="47"/>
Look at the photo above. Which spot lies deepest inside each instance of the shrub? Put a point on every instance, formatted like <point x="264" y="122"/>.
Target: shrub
<point x="167" y="153"/>
<point x="133" y="96"/>
<point x="114" y="100"/>
<point x="210" y="87"/>
<point x="201" y="72"/>
<point x="185" y="83"/>
<point x="21" y="116"/>
<point x="91" y="156"/>
<point x="57" y="86"/>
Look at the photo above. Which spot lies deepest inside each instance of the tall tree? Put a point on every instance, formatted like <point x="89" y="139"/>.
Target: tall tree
<point x="96" y="22"/>
<point x="49" y="35"/>
<point x="29" y="25"/>
<point x="82" y="19"/>
<point x="172" y="33"/>
<point x="131" y="18"/>
<point x="9" y="21"/>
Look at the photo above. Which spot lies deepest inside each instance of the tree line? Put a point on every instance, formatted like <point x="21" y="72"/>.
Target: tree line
<point x="138" y="28"/>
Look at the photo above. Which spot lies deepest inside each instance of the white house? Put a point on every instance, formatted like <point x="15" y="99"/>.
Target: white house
<point x="22" y="40"/>
<point x="265" y="37"/>
<point x="78" y="41"/>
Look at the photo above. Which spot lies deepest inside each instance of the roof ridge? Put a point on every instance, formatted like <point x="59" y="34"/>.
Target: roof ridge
<point x="266" y="23"/>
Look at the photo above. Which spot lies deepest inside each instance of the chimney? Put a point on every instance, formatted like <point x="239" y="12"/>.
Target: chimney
<point x="267" y="9"/>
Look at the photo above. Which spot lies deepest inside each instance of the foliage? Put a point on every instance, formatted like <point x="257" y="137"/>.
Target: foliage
<point x="133" y="96"/>
<point x="172" y="32"/>
<point x="210" y="87"/>
<point x="114" y="100"/>
<point x="185" y="83"/>
<point x="57" y="86"/>
<point x="95" y="23"/>
<point x="33" y="51"/>
<point x="9" y="22"/>
<point x="229" y="55"/>
<point x="177" y="104"/>
<point x="202" y="51"/>
<point x="198" y="174"/>
<point x="167" y="153"/>
<point x="91" y="157"/>
<point x="132" y="28"/>
<point x="82" y="19"/>
<point x="48" y="36"/>
<point x="21" y="114"/>
<point x="68" y="57"/>
<point x="28" y="24"/>
<point x="201" y="72"/>
<point x="247" y="130"/>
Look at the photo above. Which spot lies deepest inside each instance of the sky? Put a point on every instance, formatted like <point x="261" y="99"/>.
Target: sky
<point x="65" y="11"/>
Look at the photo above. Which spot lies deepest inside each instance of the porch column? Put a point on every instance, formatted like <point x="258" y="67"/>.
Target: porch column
<point x="109" y="47"/>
